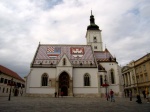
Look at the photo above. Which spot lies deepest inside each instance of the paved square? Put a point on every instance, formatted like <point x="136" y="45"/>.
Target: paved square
<point x="31" y="104"/>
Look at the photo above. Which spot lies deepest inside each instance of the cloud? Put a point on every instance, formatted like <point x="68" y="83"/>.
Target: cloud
<point x="25" y="23"/>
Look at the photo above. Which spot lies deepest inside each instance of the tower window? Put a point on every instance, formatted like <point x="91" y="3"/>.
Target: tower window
<point x="95" y="47"/>
<point x="94" y="39"/>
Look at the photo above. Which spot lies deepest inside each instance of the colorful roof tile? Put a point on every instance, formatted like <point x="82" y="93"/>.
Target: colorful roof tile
<point x="104" y="56"/>
<point x="50" y="55"/>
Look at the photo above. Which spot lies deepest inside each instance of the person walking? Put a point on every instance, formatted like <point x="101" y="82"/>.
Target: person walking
<point x="148" y="97"/>
<point x="112" y="96"/>
<point x="130" y="95"/>
<point x="138" y="99"/>
<point x="55" y="94"/>
<point x="144" y="94"/>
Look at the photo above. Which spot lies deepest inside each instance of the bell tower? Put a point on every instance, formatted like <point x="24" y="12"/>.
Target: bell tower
<point x="93" y="35"/>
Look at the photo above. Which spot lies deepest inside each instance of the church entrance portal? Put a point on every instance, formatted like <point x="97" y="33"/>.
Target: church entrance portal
<point x="64" y="83"/>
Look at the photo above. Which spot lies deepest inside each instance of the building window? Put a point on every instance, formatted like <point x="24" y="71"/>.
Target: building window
<point x="146" y="78"/>
<point x="86" y="80"/>
<point x="140" y="69"/>
<point x="95" y="47"/>
<point x="137" y="78"/>
<point x="44" y="80"/>
<point x="141" y="77"/>
<point x="64" y="61"/>
<point x="94" y="39"/>
<point x="133" y="79"/>
<point x="101" y="80"/>
<point x="144" y="67"/>
<point x="112" y="76"/>
<point x="2" y="80"/>
<point x="3" y="90"/>
<point x="5" y="82"/>
<point x="136" y="70"/>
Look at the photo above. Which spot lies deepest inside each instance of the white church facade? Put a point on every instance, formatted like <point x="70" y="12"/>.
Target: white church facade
<point x="75" y="70"/>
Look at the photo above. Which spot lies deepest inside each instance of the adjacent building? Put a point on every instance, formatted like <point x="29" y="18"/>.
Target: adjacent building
<point x="9" y="80"/>
<point x="136" y="76"/>
<point x="74" y="70"/>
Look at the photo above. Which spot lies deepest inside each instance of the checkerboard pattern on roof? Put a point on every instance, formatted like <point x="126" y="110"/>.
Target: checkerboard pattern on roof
<point x="65" y="49"/>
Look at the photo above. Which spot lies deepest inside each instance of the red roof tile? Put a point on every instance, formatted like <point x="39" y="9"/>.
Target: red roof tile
<point x="10" y="73"/>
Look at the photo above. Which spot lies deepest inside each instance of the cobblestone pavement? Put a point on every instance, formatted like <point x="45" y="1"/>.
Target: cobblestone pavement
<point x="32" y="104"/>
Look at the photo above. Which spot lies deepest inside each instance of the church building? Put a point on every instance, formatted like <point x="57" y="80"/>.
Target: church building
<point x="74" y="70"/>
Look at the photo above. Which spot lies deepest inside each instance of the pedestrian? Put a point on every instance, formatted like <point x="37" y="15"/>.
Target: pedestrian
<point x="55" y="94"/>
<point x="144" y="94"/>
<point x="138" y="99"/>
<point x="148" y="97"/>
<point x="130" y="95"/>
<point x="112" y="96"/>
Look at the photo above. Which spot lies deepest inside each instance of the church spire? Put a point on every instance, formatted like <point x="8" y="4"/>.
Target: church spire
<point x="92" y="20"/>
<point x="92" y="25"/>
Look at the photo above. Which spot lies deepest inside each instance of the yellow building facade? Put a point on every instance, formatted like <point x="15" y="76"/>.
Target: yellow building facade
<point x="136" y="76"/>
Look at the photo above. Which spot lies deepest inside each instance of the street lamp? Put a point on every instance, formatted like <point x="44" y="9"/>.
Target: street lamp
<point x="105" y="85"/>
<point x="11" y="84"/>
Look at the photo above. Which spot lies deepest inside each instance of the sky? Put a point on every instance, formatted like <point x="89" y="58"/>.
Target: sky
<point x="125" y="26"/>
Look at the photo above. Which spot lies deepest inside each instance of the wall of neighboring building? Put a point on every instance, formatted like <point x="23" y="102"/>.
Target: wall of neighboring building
<point x="5" y="86"/>
<point x="136" y="76"/>
<point x="129" y="80"/>
<point x="142" y="69"/>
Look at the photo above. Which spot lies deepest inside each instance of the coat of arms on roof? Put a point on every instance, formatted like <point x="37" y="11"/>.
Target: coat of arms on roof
<point x="77" y="51"/>
<point x="53" y="51"/>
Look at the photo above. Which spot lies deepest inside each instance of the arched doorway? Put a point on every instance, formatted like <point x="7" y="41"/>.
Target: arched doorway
<point x="64" y="83"/>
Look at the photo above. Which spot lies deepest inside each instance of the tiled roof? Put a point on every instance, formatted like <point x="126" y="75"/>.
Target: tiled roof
<point x="104" y="56"/>
<point x="10" y="73"/>
<point x="47" y="55"/>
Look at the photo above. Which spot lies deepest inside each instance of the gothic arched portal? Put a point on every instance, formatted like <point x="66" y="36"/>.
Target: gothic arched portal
<point x="64" y="83"/>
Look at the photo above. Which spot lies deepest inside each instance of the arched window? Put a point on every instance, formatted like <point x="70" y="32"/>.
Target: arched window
<point x="64" y="61"/>
<point x="86" y="80"/>
<point x="44" y="80"/>
<point x="112" y="76"/>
